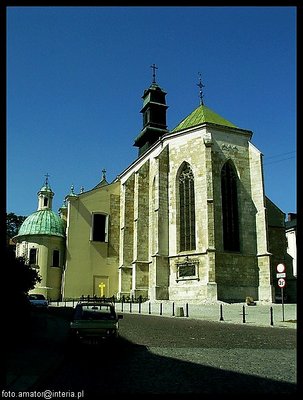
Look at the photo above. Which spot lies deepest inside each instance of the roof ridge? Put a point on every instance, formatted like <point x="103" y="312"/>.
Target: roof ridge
<point x="200" y="115"/>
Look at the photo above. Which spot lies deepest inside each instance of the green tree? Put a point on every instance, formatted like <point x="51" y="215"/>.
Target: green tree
<point x="13" y="223"/>
<point x="22" y="276"/>
<point x="19" y="279"/>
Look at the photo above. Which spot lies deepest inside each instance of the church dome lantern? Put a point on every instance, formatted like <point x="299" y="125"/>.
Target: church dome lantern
<point x="45" y="196"/>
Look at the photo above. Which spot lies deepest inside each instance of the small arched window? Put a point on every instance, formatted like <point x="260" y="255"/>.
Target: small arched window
<point x="56" y="258"/>
<point x="187" y="209"/>
<point x="230" y="215"/>
<point x="32" y="256"/>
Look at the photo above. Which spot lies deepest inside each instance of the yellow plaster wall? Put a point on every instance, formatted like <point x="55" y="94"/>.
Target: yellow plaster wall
<point x="88" y="263"/>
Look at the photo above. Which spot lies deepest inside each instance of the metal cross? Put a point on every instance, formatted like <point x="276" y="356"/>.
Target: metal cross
<point x="103" y="173"/>
<point x="46" y="179"/>
<point x="200" y="85"/>
<point x="154" y="67"/>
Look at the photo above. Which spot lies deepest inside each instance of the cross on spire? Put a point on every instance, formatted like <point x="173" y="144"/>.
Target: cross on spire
<point x="154" y="67"/>
<point x="103" y="174"/>
<point x="46" y="179"/>
<point x="200" y="85"/>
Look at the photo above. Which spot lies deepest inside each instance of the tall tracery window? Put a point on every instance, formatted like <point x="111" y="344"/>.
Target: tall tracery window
<point x="230" y="214"/>
<point x="187" y="209"/>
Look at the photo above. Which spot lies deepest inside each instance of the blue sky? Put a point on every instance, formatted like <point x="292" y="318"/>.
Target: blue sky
<point x="75" y="77"/>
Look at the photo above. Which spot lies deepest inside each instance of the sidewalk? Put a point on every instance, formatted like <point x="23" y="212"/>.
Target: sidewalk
<point x="260" y="314"/>
<point x="269" y="315"/>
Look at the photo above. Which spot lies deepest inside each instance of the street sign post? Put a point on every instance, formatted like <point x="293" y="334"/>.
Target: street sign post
<point x="281" y="275"/>
<point x="281" y="268"/>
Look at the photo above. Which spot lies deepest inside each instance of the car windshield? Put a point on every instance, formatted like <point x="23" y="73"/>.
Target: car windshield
<point x="92" y="315"/>
<point x="36" y="297"/>
<point x="95" y="312"/>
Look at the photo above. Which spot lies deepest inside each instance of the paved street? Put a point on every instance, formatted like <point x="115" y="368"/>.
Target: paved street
<point x="157" y="354"/>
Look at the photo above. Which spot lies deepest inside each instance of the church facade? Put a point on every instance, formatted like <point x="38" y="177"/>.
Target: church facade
<point x="187" y="220"/>
<point x="193" y="215"/>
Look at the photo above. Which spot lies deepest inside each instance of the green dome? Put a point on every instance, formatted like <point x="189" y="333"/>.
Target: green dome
<point x="43" y="222"/>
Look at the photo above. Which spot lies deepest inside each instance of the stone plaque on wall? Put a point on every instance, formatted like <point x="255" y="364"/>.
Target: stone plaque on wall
<point x="186" y="269"/>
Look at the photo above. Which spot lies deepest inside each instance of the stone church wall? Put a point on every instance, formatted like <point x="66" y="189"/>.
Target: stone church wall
<point x="236" y="277"/>
<point x="141" y="213"/>
<point x="151" y="223"/>
<point x="127" y="228"/>
<point x="114" y="227"/>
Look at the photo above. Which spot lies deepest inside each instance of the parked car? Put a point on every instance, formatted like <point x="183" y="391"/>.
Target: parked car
<point x="93" y="322"/>
<point x="38" y="301"/>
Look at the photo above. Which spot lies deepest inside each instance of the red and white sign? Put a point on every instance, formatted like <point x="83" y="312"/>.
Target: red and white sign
<point x="280" y="268"/>
<point x="281" y="282"/>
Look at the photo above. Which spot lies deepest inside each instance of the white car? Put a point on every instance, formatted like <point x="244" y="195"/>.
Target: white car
<point x="38" y="301"/>
<point x="94" y="322"/>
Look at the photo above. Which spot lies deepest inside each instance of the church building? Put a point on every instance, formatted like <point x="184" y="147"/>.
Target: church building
<point x="41" y="241"/>
<point x="187" y="220"/>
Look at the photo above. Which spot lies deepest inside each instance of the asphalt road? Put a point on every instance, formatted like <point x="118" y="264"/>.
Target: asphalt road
<point x="162" y="355"/>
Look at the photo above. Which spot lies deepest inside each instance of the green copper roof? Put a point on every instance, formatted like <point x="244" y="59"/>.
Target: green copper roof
<point x="201" y="115"/>
<point x="43" y="222"/>
<point x="46" y="188"/>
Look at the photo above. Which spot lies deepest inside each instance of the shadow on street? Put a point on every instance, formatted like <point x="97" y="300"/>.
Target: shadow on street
<point x="125" y="367"/>
<point x="122" y="367"/>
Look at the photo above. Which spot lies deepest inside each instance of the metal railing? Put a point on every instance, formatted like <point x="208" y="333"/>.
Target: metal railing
<point x="113" y="299"/>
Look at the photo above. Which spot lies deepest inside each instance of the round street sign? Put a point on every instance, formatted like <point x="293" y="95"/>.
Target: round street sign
<point x="281" y="282"/>
<point x="280" y="268"/>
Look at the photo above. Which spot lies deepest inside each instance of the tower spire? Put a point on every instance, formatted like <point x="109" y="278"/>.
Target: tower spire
<point x="200" y="85"/>
<point x="154" y="115"/>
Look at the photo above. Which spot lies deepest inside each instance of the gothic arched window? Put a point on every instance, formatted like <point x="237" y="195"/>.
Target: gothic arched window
<point x="187" y="209"/>
<point x="230" y="216"/>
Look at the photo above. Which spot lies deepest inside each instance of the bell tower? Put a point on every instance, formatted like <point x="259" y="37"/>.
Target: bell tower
<point x="154" y="115"/>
